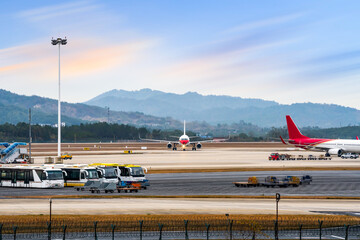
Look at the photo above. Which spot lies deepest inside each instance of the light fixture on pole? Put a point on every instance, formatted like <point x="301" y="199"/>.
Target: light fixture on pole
<point x="59" y="41"/>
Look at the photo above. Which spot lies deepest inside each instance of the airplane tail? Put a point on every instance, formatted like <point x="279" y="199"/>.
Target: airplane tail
<point x="294" y="132"/>
<point x="184" y="128"/>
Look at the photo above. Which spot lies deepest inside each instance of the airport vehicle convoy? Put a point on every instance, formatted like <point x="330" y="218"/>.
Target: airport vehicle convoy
<point x="330" y="146"/>
<point x="280" y="156"/>
<point x="271" y="181"/>
<point x="126" y="173"/>
<point x="252" y="182"/>
<point x="31" y="177"/>
<point x="350" y="155"/>
<point x="77" y="175"/>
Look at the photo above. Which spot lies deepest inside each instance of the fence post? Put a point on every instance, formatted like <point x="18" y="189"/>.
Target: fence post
<point x="207" y="230"/>
<point x="186" y="229"/>
<point x="276" y="236"/>
<point x="113" y="231"/>
<point x="300" y="231"/>
<point x="230" y="228"/>
<point x="141" y="226"/>
<point x="254" y="235"/>
<point x="320" y="228"/>
<point x="160" y="230"/>
<point x="49" y="230"/>
<point x="64" y="230"/>
<point x="347" y="232"/>
<point x="95" y="233"/>
<point x="1" y="226"/>
<point x="15" y="228"/>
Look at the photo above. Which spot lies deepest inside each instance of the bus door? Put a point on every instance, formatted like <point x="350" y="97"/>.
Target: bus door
<point x="27" y="179"/>
<point x="13" y="178"/>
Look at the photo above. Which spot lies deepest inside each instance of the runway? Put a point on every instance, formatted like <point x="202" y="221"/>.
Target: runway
<point x="325" y="183"/>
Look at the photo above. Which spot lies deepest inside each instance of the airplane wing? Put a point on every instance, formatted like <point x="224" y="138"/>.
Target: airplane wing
<point x="156" y="140"/>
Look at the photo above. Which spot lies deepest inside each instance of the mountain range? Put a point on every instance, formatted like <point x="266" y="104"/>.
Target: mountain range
<point x="225" y="109"/>
<point x="14" y="109"/>
<point x="156" y="109"/>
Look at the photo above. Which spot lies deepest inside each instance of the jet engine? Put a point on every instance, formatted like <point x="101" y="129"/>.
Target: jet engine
<point x="198" y="145"/>
<point x="336" y="151"/>
<point x="169" y="145"/>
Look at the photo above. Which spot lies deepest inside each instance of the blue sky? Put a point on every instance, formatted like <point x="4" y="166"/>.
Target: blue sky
<point x="287" y="51"/>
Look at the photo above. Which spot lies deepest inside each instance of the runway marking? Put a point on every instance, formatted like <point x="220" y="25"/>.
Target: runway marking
<point x="337" y="237"/>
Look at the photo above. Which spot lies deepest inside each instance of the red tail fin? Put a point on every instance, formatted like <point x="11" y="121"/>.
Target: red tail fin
<point x="294" y="132"/>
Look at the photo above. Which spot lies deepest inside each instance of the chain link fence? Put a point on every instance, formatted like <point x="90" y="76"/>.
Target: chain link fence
<point x="180" y="229"/>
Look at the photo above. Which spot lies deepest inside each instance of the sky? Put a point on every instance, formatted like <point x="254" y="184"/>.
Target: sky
<point x="287" y="51"/>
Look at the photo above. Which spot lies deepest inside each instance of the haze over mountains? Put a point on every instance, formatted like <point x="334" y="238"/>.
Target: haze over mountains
<point x="162" y="110"/>
<point x="225" y="109"/>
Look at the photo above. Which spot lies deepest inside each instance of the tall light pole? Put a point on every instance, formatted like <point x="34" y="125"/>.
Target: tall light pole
<point x="59" y="41"/>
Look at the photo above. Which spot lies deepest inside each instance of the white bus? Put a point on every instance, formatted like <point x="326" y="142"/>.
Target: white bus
<point x="31" y="177"/>
<point x="127" y="173"/>
<point x="75" y="176"/>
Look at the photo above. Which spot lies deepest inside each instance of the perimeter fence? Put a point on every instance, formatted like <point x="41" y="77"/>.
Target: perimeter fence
<point x="180" y="229"/>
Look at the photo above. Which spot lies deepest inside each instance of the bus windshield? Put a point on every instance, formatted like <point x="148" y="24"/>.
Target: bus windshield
<point x="137" y="172"/>
<point x="110" y="172"/>
<point x="54" y="175"/>
<point x="92" y="174"/>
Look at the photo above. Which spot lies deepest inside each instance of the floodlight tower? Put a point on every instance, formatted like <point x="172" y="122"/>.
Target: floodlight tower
<point x="59" y="41"/>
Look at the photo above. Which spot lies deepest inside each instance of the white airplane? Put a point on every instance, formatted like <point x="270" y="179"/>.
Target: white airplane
<point x="183" y="141"/>
<point x="330" y="146"/>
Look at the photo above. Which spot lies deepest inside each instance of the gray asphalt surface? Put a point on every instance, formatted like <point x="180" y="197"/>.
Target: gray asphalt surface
<point x="325" y="183"/>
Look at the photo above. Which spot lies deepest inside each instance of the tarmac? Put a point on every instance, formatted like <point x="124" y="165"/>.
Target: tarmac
<point x="326" y="183"/>
<point x="174" y="206"/>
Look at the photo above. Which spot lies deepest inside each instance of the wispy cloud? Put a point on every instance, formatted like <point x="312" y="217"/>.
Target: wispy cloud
<point x="55" y="11"/>
<point x="265" y="23"/>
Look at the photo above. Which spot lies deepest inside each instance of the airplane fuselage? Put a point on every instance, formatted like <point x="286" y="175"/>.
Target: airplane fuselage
<point x="346" y="145"/>
<point x="184" y="140"/>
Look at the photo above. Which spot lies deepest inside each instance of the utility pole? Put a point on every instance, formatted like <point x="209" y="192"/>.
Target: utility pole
<point x="30" y="140"/>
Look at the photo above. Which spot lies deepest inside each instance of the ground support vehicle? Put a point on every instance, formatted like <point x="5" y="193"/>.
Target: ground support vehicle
<point x="300" y="157"/>
<point x="128" y="188"/>
<point x="350" y="155"/>
<point x="92" y="186"/>
<point x="31" y="177"/>
<point x="108" y="187"/>
<point x="252" y="182"/>
<point x="292" y="181"/>
<point x="272" y="181"/>
<point x="306" y="179"/>
<point x="66" y="156"/>
<point x="278" y="156"/>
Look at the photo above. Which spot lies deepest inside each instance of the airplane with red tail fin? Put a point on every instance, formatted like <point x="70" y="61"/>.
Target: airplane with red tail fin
<point x="330" y="146"/>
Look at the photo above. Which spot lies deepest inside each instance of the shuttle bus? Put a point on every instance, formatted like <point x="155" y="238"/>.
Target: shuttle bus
<point x="31" y="177"/>
<point x="77" y="176"/>
<point x="126" y="173"/>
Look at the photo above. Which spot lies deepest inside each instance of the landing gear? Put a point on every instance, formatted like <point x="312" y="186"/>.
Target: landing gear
<point x="174" y="148"/>
<point x="194" y="149"/>
<point x="183" y="149"/>
<point x="327" y="154"/>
